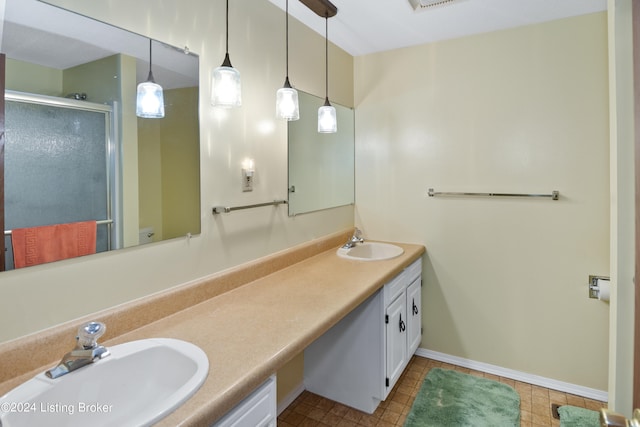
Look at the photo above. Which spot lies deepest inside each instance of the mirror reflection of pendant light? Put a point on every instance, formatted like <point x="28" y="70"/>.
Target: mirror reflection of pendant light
<point x="287" y="97"/>
<point x="327" y="120"/>
<point x="225" y="80"/>
<point x="150" y="100"/>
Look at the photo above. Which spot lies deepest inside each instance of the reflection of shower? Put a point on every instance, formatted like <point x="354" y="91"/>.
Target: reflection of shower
<point x="59" y="165"/>
<point x="77" y="95"/>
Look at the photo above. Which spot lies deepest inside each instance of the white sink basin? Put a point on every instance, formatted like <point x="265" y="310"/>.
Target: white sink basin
<point x="371" y="251"/>
<point x="137" y="385"/>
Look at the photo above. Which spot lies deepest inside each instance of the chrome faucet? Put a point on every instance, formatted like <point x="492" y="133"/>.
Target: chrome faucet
<point x="86" y="351"/>
<point x="355" y="239"/>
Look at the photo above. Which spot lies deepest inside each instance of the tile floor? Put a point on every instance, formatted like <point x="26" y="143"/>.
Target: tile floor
<point x="315" y="411"/>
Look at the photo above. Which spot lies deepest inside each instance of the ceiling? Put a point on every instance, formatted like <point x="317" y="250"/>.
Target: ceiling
<point x="363" y="27"/>
<point x="359" y="28"/>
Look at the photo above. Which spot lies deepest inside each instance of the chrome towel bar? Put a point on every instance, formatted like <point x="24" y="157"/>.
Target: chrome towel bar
<point x="226" y="209"/>
<point x="555" y="195"/>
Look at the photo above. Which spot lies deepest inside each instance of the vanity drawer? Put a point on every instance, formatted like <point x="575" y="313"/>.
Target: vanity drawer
<point x="394" y="288"/>
<point x="258" y="409"/>
<point x="414" y="270"/>
<point x="398" y="284"/>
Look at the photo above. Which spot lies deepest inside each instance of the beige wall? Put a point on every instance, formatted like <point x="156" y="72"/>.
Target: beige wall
<point x="150" y="175"/>
<point x="128" y="131"/>
<point x="168" y="152"/>
<point x="94" y="78"/>
<point x="46" y="295"/>
<point x="522" y="110"/>
<point x="25" y="77"/>
<point x="180" y="168"/>
<point x="622" y="206"/>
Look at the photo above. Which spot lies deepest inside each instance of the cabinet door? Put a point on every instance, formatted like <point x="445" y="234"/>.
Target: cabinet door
<point x="414" y="316"/>
<point x="396" y="325"/>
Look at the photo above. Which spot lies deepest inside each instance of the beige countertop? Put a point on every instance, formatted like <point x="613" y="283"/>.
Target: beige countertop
<point x="251" y="331"/>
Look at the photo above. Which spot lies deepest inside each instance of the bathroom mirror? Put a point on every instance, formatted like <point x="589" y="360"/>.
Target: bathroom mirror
<point x="321" y="165"/>
<point x="64" y="65"/>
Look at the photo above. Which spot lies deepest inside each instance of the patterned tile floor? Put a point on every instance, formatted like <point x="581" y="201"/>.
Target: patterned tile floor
<point x="315" y="411"/>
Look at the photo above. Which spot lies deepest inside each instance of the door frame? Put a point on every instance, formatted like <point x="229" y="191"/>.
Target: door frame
<point x="2" y="142"/>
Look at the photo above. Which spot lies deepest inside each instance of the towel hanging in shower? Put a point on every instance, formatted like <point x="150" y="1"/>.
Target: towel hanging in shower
<point x="38" y="245"/>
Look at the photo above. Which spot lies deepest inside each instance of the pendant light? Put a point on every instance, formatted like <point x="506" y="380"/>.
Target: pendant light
<point x="225" y="80"/>
<point x="287" y="97"/>
<point x="150" y="100"/>
<point x="327" y="120"/>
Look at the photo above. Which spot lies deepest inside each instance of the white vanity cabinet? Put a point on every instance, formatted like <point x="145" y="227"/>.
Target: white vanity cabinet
<point x="414" y="318"/>
<point x="259" y="409"/>
<point x="359" y="360"/>
<point x="402" y="317"/>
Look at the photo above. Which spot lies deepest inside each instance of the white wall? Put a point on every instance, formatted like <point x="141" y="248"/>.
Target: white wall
<point x="41" y="296"/>
<point x="523" y="110"/>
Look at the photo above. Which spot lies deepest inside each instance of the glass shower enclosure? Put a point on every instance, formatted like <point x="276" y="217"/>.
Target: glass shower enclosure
<point x="60" y="164"/>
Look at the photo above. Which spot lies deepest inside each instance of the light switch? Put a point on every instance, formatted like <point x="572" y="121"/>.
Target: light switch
<point x="247" y="175"/>
<point x="247" y="180"/>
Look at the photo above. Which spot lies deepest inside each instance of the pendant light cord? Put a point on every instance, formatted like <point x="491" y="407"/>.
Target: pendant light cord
<point x="326" y="54"/>
<point x="287" y="39"/>
<point x="227" y="30"/>
<point x="150" y="76"/>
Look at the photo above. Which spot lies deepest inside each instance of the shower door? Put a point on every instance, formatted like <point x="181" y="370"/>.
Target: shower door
<point x="58" y="161"/>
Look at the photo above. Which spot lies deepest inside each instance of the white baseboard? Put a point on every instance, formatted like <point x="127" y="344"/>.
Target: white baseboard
<point x="564" y="387"/>
<point x="288" y="399"/>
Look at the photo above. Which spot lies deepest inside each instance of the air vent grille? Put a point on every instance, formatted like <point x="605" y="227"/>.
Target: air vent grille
<point x="426" y="4"/>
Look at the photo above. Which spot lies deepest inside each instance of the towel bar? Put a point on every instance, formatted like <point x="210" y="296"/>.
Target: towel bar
<point x="227" y="209"/>
<point x="555" y="195"/>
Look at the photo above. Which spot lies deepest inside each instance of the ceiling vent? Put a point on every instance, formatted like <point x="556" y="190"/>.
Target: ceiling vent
<point x="426" y="4"/>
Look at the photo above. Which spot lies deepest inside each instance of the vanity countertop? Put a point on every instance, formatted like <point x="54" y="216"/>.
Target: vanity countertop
<point x="250" y="332"/>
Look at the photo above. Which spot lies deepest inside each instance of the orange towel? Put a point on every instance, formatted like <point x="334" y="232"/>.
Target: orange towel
<point x="37" y="245"/>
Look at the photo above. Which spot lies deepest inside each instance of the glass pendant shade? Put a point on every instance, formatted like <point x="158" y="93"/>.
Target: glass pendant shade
<point x="225" y="80"/>
<point x="287" y="102"/>
<point x="226" y="90"/>
<point x="287" y="107"/>
<point x="150" y="99"/>
<point x="327" y="119"/>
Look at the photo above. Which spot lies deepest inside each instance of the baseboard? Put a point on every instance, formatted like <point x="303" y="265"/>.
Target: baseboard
<point x="564" y="387"/>
<point x="288" y="399"/>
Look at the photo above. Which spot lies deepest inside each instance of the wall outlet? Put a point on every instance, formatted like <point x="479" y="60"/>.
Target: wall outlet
<point x="247" y="180"/>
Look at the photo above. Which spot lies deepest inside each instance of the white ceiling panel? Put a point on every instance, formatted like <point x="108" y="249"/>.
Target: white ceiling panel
<point x="363" y="27"/>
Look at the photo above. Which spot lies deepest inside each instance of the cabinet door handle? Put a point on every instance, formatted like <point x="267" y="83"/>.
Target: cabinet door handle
<point x="403" y="327"/>
<point x="415" y="307"/>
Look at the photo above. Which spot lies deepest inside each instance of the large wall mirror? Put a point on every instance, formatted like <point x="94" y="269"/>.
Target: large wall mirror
<point x="75" y="151"/>
<point x="321" y="165"/>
